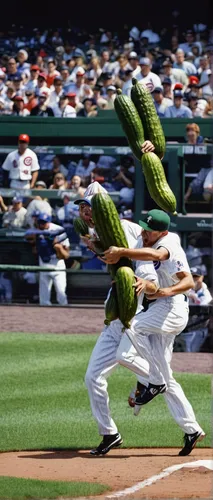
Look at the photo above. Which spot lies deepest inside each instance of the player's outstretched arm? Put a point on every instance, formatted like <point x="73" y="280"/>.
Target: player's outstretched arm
<point x="113" y="254"/>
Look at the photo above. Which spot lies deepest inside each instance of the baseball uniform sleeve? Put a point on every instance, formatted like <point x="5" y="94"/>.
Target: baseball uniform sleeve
<point x="146" y="271"/>
<point x="179" y="263"/>
<point x="35" y="164"/>
<point x="132" y="232"/>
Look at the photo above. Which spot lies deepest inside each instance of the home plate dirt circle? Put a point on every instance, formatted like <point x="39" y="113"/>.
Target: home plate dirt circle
<point x="121" y="470"/>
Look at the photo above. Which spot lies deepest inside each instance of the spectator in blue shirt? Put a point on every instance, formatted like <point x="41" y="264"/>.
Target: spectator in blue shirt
<point x="161" y="103"/>
<point x="178" y="110"/>
<point x="180" y="63"/>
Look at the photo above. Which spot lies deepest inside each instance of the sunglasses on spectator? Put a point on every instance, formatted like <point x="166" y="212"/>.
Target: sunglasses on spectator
<point x="59" y="178"/>
<point x="58" y="84"/>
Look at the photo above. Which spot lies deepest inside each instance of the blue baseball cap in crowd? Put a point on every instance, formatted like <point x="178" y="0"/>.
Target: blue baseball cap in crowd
<point x="17" y="199"/>
<point x="84" y="200"/>
<point x="159" y="90"/>
<point x="43" y="217"/>
<point x="167" y="81"/>
<point x="196" y="271"/>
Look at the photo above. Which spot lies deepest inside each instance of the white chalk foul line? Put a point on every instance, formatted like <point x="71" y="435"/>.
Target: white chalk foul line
<point x="166" y="472"/>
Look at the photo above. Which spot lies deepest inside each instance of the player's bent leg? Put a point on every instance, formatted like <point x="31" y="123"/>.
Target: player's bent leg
<point x="60" y="283"/>
<point x="45" y="285"/>
<point x="127" y="356"/>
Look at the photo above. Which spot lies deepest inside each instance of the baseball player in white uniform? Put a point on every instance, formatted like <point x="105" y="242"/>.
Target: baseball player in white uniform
<point x="103" y="361"/>
<point x="53" y="248"/>
<point x="22" y="165"/>
<point x="153" y="332"/>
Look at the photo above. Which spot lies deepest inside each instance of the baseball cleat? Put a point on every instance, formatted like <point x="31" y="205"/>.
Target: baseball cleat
<point x="135" y="393"/>
<point x="150" y="393"/>
<point x="131" y="398"/>
<point x="109" y="442"/>
<point x="190" y="441"/>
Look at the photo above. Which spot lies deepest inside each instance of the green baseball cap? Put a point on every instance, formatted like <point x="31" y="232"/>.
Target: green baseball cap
<point x="156" y="220"/>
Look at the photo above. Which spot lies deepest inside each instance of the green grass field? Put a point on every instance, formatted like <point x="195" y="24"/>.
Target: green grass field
<point x="14" y="488"/>
<point x="44" y="402"/>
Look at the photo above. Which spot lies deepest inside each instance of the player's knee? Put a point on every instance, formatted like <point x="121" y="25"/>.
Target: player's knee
<point x="121" y="357"/>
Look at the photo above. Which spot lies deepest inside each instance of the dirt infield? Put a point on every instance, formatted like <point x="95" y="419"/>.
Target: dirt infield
<point x="120" y="469"/>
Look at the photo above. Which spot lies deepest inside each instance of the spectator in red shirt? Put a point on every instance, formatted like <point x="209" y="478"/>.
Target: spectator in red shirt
<point x="52" y="72"/>
<point x="31" y="100"/>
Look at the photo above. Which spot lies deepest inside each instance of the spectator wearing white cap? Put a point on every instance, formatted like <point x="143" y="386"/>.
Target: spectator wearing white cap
<point x="63" y="109"/>
<point x="42" y="108"/>
<point x="15" y="216"/>
<point x="146" y="76"/>
<point x="23" y="66"/>
<point x="133" y="61"/>
<point x="186" y="66"/>
<point x="57" y="92"/>
<point x="161" y="103"/>
<point x="178" y="109"/>
<point x="110" y="96"/>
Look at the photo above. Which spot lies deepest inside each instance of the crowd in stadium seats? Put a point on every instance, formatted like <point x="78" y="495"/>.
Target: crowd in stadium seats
<point x="58" y="73"/>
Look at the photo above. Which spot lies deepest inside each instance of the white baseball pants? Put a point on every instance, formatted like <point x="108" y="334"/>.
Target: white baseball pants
<point x="46" y="281"/>
<point x="113" y="347"/>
